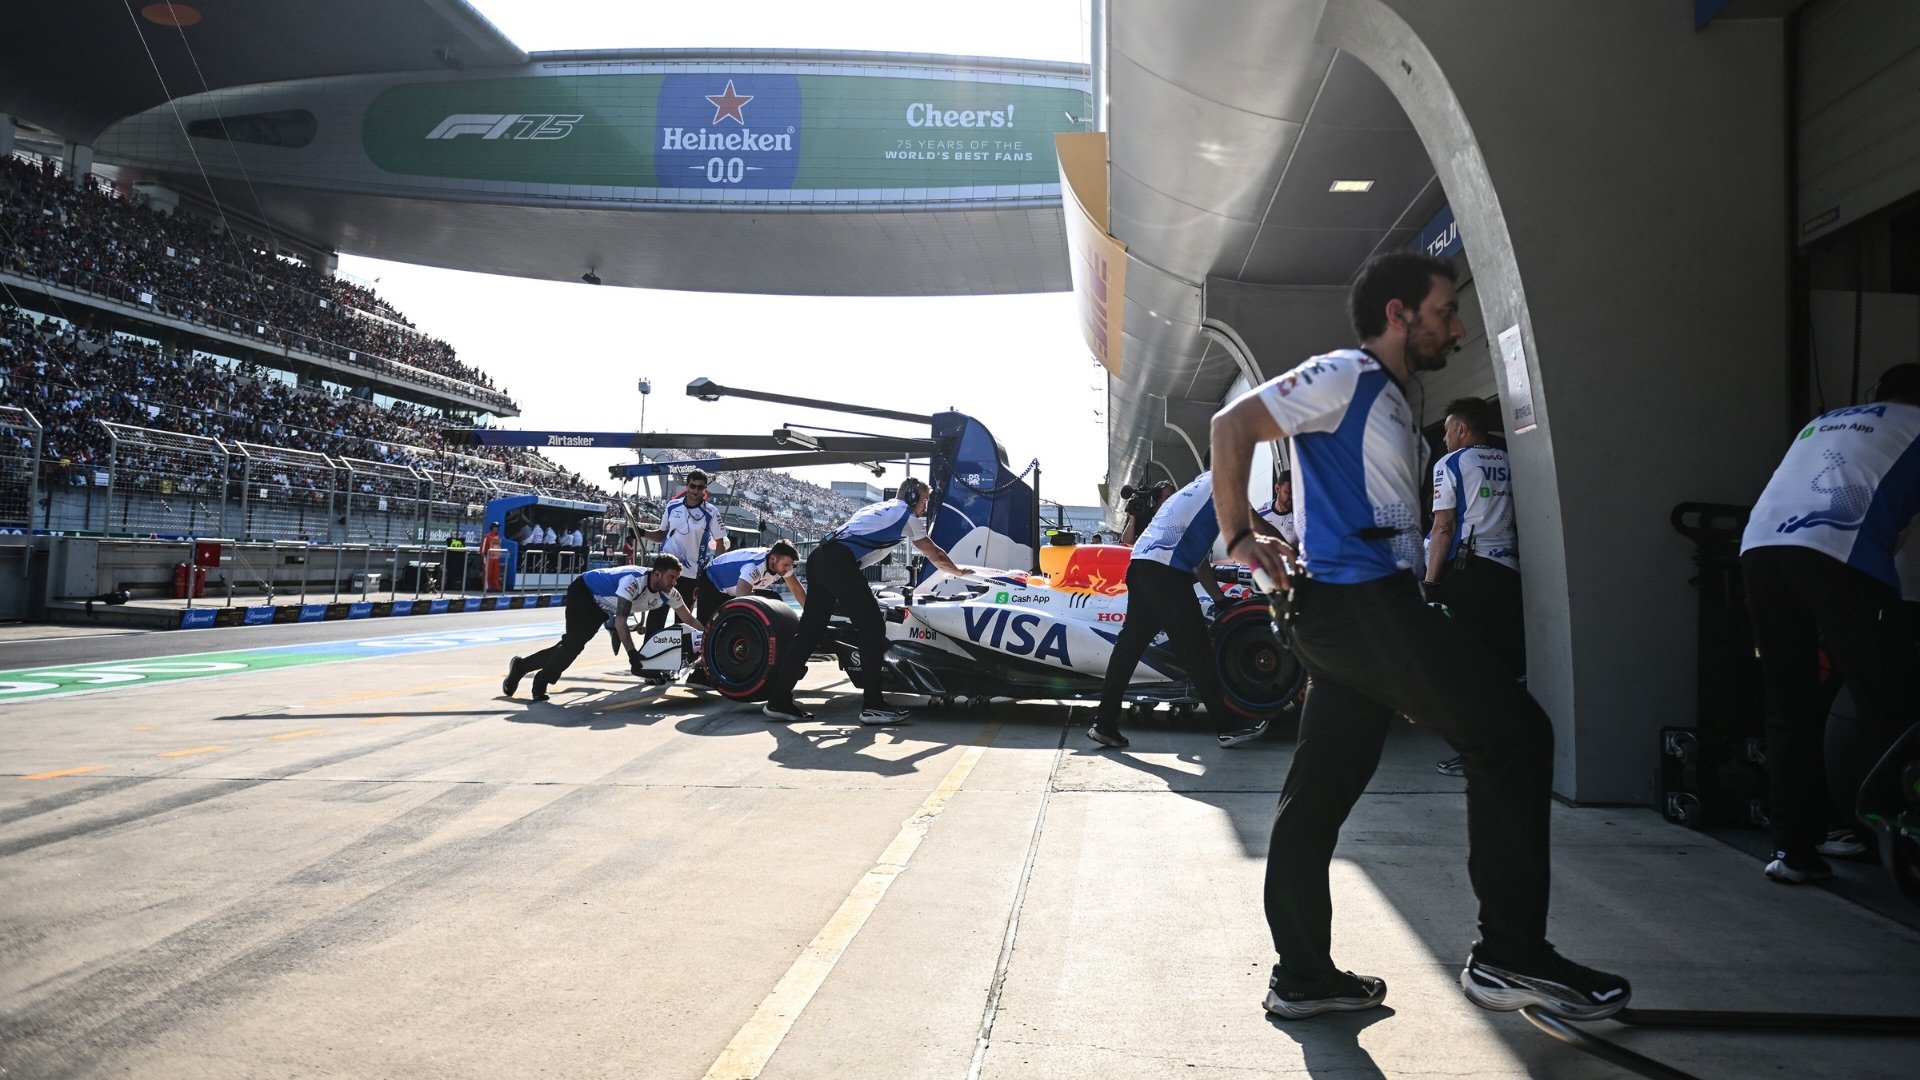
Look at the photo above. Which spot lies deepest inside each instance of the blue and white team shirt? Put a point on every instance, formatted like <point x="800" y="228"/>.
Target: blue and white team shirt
<point x="1183" y="530"/>
<point x="612" y="584"/>
<point x="1848" y="487"/>
<point x="874" y="530"/>
<point x="741" y="567"/>
<point x="1282" y="522"/>
<point x="1474" y="482"/>
<point x="1357" y="463"/>
<point x="690" y="533"/>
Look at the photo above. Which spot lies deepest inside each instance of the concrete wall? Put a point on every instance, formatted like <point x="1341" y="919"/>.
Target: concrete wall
<point x="1620" y="181"/>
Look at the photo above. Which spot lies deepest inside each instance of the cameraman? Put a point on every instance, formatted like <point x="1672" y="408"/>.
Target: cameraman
<point x="1142" y="503"/>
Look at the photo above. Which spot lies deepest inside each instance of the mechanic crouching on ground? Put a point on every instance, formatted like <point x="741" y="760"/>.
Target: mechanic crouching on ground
<point x="742" y="571"/>
<point x="835" y="582"/>
<point x="1170" y="555"/>
<point x="1817" y="559"/>
<point x="1373" y="650"/>
<point x="595" y="597"/>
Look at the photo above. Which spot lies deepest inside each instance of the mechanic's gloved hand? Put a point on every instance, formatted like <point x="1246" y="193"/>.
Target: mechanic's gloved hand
<point x="634" y="665"/>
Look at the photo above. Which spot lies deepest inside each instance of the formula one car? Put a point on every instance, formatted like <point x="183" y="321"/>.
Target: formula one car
<point x="995" y="634"/>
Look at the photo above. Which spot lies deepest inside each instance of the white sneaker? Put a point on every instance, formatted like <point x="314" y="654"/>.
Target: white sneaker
<point x="1841" y="844"/>
<point x="882" y="716"/>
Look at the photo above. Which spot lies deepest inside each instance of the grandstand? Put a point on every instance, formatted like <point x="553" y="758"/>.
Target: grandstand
<point x="190" y="381"/>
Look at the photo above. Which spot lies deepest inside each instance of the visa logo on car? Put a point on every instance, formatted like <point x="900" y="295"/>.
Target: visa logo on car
<point x="1013" y="632"/>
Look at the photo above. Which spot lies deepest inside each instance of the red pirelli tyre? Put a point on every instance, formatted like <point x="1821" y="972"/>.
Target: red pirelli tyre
<point x="745" y="643"/>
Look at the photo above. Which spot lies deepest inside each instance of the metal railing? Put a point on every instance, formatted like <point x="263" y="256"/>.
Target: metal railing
<point x="165" y="482"/>
<point x="21" y="439"/>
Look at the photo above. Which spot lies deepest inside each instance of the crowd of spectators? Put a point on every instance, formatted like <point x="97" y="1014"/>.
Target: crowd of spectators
<point x="790" y="506"/>
<point x="69" y="378"/>
<point x="91" y="239"/>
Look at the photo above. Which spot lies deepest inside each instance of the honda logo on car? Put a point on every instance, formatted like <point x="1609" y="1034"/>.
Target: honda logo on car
<point x="1013" y="632"/>
<point x="1113" y="616"/>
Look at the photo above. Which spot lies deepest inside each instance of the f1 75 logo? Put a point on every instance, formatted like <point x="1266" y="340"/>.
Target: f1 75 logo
<point x="506" y="126"/>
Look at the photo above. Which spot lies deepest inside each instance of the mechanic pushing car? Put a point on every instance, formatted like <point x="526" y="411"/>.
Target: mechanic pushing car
<point x="834" y="581"/>
<point x="1169" y="556"/>
<point x="596" y="596"/>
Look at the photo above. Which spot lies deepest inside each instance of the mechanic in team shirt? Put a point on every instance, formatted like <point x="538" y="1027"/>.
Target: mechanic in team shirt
<point x="835" y="582"/>
<point x="1171" y="554"/>
<point x="1373" y="650"/>
<point x="1817" y="559"/>
<point x="1278" y="514"/>
<point x="595" y="597"/>
<point x="687" y="529"/>
<point x="1473" y="552"/>
<point x="741" y="571"/>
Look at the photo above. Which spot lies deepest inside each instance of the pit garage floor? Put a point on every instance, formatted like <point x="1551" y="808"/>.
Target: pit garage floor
<point x="363" y="862"/>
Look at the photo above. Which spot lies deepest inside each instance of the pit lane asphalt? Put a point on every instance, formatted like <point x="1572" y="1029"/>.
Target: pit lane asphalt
<point x="381" y="867"/>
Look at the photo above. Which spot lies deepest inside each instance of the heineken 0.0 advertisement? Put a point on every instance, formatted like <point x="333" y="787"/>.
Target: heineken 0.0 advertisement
<point x="720" y="131"/>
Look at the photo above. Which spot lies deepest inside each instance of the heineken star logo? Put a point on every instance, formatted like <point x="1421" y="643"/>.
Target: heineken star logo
<point x="729" y="103"/>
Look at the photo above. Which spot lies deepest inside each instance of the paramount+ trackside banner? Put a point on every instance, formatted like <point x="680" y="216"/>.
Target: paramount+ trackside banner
<point x="719" y="131"/>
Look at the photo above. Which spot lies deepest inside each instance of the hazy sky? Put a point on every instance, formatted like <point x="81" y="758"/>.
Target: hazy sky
<point x="571" y="354"/>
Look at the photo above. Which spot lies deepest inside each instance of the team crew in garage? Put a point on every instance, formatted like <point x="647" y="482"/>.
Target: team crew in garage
<point x="1818" y="562"/>
<point x="1374" y="650"/>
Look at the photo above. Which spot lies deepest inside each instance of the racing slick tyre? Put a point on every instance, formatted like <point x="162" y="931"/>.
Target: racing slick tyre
<point x="744" y="644"/>
<point x="1259" y="676"/>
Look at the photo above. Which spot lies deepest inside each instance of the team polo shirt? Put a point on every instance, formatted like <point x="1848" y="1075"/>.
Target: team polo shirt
<point x="689" y="533"/>
<point x="874" y="530"/>
<point x="1357" y="462"/>
<point x="1282" y="522"/>
<point x="1474" y="483"/>
<point x="749" y="565"/>
<point x="1848" y="487"/>
<point x="1183" y="530"/>
<point x="612" y="584"/>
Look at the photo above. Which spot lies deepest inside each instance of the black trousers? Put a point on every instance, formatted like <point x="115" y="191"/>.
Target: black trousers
<point x="707" y="599"/>
<point x="1373" y="651"/>
<point x="1799" y="599"/>
<point x="657" y="618"/>
<point x="835" y="583"/>
<point x="1484" y="597"/>
<point x="584" y="620"/>
<point x="1161" y="598"/>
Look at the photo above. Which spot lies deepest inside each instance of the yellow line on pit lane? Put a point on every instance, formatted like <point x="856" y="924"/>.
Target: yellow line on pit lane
<point x="299" y="734"/>
<point x="195" y="750"/>
<point x="753" y="1046"/>
<point x="382" y="719"/>
<point x="75" y="771"/>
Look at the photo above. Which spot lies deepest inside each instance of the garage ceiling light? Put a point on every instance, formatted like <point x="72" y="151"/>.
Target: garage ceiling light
<point x="1346" y="186"/>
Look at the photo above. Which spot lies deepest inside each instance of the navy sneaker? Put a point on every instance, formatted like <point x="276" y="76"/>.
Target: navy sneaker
<point x="1798" y="869"/>
<point x="1290" y="997"/>
<point x="1550" y="981"/>
<point x="1453" y="766"/>
<point x="512" y="682"/>
<point x="540" y="684"/>
<point x="1107" y="736"/>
